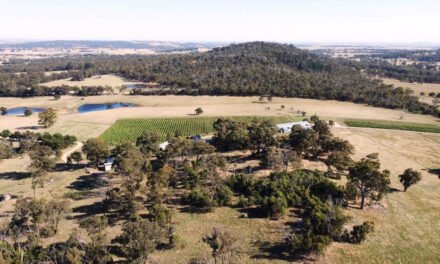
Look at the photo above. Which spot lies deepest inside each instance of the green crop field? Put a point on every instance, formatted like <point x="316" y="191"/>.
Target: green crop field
<point x="393" y="125"/>
<point x="128" y="130"/>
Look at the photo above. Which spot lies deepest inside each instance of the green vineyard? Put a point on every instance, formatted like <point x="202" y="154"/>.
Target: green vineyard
<point x="128" y="130"/>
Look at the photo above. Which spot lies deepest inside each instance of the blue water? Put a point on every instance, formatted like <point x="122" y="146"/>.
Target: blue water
<point x="20" y="110"/>
<point x="134" y="86"/>
<point x="101" y="107"/>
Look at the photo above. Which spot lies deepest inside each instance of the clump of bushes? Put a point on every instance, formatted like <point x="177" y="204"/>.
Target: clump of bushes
<point x="359" y="233"/>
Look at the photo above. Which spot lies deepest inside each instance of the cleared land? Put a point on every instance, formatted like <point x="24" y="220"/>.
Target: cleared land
<point x="416" y="87"/>
<point x="128" y="130"/>
<point x="103" y="80"/>
<point x="407" y="224"/>
<point x="393" y="125"/>
<point x="93" y="124"/>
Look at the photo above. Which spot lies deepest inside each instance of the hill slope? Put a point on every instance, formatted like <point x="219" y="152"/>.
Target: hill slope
<point x="260" y="68"/>
<point x="255" y="68"/>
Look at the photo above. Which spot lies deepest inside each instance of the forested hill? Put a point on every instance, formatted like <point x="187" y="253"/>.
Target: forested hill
<point x="260" y="68"/>
<point x="256" y="68"/>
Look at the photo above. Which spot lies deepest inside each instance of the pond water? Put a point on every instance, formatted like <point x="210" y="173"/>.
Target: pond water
<point x="20" y="110"/>
<point x="134" y="86"/>
<point x="101" y="107"/>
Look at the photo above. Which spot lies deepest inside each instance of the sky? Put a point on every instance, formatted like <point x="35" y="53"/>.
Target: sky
<point x="294" y="21"/>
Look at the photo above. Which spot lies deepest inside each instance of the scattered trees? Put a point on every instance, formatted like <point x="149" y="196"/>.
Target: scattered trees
<point x="230" y="135"/>
<point x="47" y="118"/>
<point x="40" y="216"/>
<point x="409" y="177"/>
<point x="261" y="135"/>
<point x="42" y="163"/>
<point x="199" y="111"/>
<point x="96" y="150"/>
<point x="139" y="239"/>
<point x="76" y="156"/>
<point x="28" y="112"/>
<point x="366" y="180"/>
<point x="222" y="244"/>
<point x="96" y="250"/>
<point x="148" y="143"/>
<point x="359" y="232"/>
<point x="6" y="151"/>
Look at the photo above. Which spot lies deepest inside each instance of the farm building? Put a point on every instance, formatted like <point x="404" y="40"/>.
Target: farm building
<point x="107" y="165"/>
<point x="163" y="145"/>
<point x="287" y="127"/>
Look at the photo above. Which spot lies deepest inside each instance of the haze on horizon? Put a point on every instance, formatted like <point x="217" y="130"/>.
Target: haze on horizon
<point x="336" y="21"/>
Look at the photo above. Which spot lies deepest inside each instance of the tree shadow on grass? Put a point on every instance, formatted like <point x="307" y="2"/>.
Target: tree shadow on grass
<point x="30" y="127"/>
<point x="252" y="212"/>
<point x="240" y="158"/>
<point x="435" y="172"/>
<point x="275" y="251"/>
<point x="69" y="167"/>
<point x="392" y="190"/>
<point x="88" y="210"/>
<point x="88" y="182"/>
<point x="14" y="175"/>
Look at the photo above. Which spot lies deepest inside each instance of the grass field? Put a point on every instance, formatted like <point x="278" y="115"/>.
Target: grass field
<point x="393" y="125"/>
<point x="416" y="87"/>
<point x="103" y="80"/>
<point x="128" y="130"/>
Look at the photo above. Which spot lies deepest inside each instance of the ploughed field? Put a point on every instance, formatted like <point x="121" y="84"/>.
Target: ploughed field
<point x="128" y="130"/>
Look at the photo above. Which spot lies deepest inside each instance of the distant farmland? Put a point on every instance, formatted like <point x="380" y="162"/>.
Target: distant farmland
<point x="128" y="130"/>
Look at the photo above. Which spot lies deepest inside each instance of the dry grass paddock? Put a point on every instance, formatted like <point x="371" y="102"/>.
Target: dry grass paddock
<point x="416" y="87"/>
<point x="103" y="80"/>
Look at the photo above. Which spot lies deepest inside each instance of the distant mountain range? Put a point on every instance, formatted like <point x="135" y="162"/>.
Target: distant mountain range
<point x="159" y="46"/>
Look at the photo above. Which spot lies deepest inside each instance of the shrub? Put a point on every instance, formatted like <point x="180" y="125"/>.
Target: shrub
<point x="161" y="214"/>
<point x="198" y="200"/>
<point x="241" y="183"/>
<point x="28" y="112"/>
<point x="223" y="195"/>
<point x="327" y="190"/>
<point x="199" y="111"/>
<point x="244" y="202"/>
<point x="359" y="232"/>
<point x="274" y="207"/>
<point x="307" y="243"/>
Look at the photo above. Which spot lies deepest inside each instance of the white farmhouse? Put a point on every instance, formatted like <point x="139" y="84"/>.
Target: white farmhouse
<point x="163" y="145"/>
<point x="107" y="165"/>
<point x="287" y="127"/>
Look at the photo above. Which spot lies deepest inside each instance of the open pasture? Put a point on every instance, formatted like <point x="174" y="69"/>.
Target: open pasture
<point x="103" y="80"/>
<point x="416" y="87"/>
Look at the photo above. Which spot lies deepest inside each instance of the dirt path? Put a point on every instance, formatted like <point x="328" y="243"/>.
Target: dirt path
<point x="78" y="145"/>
